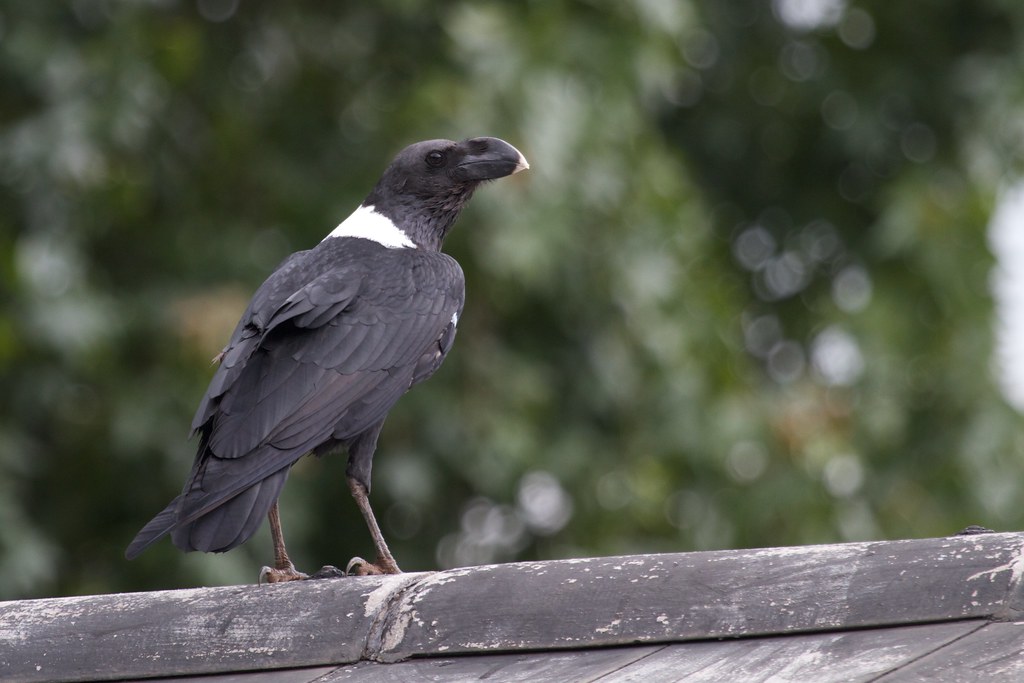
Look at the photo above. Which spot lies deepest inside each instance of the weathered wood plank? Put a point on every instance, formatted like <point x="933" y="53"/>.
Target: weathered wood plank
<point x="993" y="653"/>
<point x="204" y="630"/>
<point x="564" y="667"/>
<point x="310" y="675"/>
<point x="842" y="657"/>
<point x="665" y="598"/>
<point x="572" y="604"/>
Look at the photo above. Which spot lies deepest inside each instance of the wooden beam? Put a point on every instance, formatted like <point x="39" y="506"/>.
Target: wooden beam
<point x="566" y="604"/>
<point x="690" y="596"/>
<point x="196" y="631"/>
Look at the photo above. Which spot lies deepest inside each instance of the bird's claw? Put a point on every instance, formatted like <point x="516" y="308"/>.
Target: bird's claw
<point x="357" y="566"/>
<point x="275" y="575"/>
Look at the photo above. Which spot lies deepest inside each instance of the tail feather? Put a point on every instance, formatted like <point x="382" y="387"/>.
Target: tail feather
<point x="157" y="528"/>
<point x="233" y="522"/>
<point x="212" y="528"/>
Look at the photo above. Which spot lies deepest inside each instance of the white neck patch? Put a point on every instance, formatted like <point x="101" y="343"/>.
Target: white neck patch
<point x="365" y="222"/>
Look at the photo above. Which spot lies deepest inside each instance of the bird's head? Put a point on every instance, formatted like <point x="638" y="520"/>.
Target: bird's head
<point x="429" y="182"/>
<point x="438" y="167"/>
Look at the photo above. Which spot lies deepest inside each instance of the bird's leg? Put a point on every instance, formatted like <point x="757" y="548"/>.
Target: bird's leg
<point x="385" y="561"/>
<point x="283" y="569"/>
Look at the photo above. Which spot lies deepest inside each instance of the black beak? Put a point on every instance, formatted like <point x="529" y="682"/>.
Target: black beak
<point x="489" y="158"/>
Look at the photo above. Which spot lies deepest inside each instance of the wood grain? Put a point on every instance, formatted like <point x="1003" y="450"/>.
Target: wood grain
<point x="689" y="596"/>
<point x="591" y="614"/>
<point x="203" y="630"/>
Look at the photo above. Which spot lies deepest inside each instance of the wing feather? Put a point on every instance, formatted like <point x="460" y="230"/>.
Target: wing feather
<point x="321" y="355"/>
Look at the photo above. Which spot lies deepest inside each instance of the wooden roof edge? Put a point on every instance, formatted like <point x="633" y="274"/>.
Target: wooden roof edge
<point x="610" y="601"/>
<point x="559" y="604"/>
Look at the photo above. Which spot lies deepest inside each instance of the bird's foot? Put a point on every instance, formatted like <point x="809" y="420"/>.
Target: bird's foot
<point x="357" y="566"/>
<point x="271" y="575"/>
<point x="281" y="574"/>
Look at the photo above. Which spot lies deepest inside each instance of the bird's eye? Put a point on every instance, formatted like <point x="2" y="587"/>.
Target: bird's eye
<point x="435" y="159"/>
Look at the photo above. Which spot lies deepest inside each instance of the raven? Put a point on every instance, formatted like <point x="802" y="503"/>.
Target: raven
<point x="328" y="344"/>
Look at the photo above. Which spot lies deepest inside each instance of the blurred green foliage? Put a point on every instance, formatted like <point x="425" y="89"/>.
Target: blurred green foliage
<point x="741" y="299"/>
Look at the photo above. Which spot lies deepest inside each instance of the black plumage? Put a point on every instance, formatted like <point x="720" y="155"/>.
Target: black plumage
<point x="328" y="344"/>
